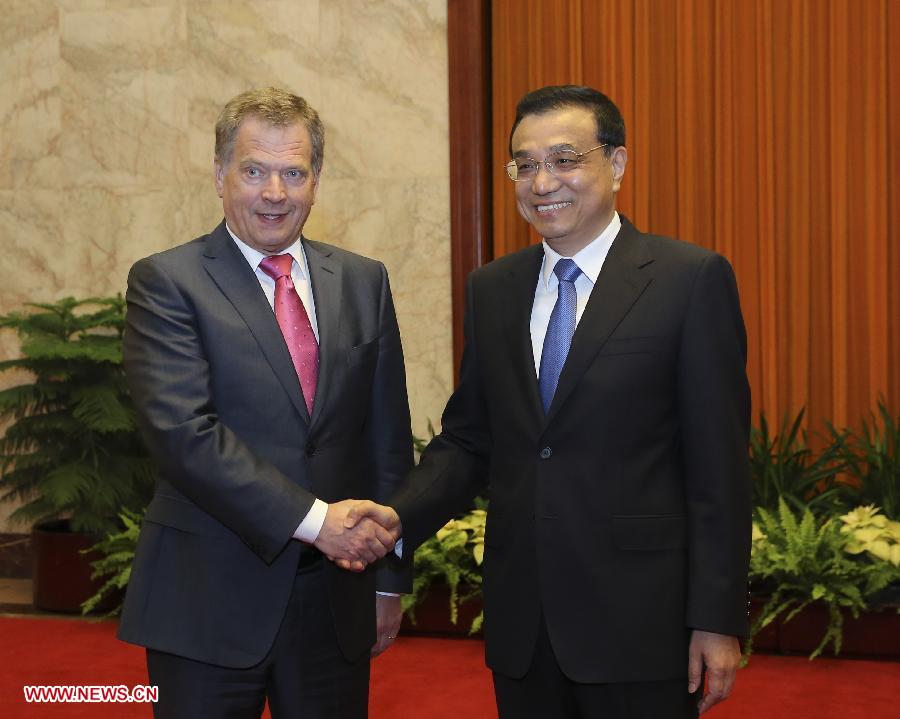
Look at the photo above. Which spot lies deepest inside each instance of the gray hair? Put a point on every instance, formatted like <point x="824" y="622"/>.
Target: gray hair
<point x="275" y="106"/>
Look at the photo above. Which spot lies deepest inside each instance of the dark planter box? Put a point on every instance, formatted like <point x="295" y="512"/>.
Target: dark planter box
<point x="61" y="574"/>
<point x="433" y="615"/>
<point x="874" y="634"/>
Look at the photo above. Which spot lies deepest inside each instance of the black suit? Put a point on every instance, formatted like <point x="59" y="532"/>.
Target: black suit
<point x="622" y="516"/>
<point x="240" y="461"/>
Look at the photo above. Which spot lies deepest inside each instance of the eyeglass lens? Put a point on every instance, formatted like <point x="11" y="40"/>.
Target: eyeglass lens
<point x="525" y="168"/>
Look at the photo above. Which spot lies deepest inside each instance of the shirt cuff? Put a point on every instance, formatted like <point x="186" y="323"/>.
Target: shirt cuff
<point x="309" y="528"/>
<point x="387" y="594"/>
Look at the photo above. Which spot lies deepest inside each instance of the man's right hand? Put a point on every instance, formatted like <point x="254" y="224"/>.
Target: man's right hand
<point x="363" y="537"/>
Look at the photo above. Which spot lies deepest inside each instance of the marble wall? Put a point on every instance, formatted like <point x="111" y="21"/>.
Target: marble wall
<point x="106" y="139"/>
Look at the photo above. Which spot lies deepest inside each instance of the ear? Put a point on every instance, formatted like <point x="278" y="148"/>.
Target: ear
<point x="219" y="170"/>
<point x="618" y="160"/>
<point x="315" y="186"/>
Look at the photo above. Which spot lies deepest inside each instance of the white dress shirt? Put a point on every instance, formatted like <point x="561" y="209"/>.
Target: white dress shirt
<point x="590" y="261"/>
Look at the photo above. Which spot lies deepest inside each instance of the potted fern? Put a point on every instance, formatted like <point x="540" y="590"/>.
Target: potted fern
<point x="71" y="456"/>
<point x="446" y="595"/>
<point x="825" y="572"/>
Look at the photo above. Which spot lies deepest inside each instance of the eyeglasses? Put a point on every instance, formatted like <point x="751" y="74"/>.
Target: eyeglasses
<point x="559" y="164"/>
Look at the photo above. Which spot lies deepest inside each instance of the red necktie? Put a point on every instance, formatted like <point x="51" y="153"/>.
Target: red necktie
<point x="295" y="325"/>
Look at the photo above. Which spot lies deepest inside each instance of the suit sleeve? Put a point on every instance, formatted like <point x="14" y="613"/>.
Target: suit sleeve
<point x="167" y="367"/>
<point x="388" y="434"/>
<point x="453" y="468"/>
<point x="714" y="406"/>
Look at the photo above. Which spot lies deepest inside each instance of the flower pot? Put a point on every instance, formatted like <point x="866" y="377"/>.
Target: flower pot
<point x="61" y="574"/>
<point x="433" y="614"/>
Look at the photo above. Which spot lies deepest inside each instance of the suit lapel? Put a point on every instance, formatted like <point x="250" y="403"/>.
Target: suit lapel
<point x="237" y="281"/>
<point x="519" y="297"/>
<point x="620" y="283"/>
<point x="325" y="274"/>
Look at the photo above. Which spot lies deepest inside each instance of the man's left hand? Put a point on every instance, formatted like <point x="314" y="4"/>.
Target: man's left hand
<point x="387" y="615"/>
<point x="720" y="654"/>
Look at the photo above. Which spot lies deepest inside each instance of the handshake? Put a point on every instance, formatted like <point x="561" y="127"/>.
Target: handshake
<point x="357" y="532"/>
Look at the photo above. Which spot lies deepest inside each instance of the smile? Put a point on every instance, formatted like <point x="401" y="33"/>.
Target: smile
<point x="554" y="206"/>
<point x="272" y="217"/>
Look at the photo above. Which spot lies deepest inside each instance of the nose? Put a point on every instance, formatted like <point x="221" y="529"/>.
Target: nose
<point x="544" y="181"/>
<point x="274" y="188"/>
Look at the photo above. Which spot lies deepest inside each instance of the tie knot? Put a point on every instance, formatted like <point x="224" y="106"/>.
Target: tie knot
<point x="276" y="266"/>
<point x="566" y="270"/>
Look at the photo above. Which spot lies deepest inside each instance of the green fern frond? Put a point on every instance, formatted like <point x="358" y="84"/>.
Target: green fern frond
<point x="34" y="511"/>
<point x="21" y="399"/>
<point x="118" y="548"/>
<point x="788" y="521"/>
<point x="89" y="348"/>
<point x="100" y="408"/>
<point x="477" y="623"/>
<point x="53" y="425"/>
<point x="834" y="633"/>
<point x="67" y="483"/>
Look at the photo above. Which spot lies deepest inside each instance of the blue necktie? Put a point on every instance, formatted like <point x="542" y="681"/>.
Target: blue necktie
<point x="560" y="330"/>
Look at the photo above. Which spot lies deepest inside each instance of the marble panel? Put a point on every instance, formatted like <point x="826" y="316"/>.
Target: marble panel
<point x="136" y="225"/>
<point x="29" y="94"/>
<point x="405" y="225"/>
<point x="235" y="46"/>
<point x="384" y="87"/>
<point x="199" y="209"/>
<point x="124" y="104"/>
<point x="82" y="242"/>
<point x="81" y="5"/>
<point x="31" y="225"/>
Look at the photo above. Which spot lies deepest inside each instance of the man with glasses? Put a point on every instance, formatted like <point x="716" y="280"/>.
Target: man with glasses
<point x="603" y="399"/>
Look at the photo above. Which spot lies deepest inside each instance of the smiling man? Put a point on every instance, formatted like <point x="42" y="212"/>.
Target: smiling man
<point x="268" y="379"/>
<point x="603" y="398"/>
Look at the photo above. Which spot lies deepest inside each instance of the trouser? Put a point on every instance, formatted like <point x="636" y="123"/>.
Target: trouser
<point x="545" y="691"/>
<point x="304" y="675"/>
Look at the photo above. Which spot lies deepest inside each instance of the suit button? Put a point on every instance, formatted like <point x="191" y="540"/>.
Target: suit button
<point x="310" y="450"/>
<point x="546" y="452"/>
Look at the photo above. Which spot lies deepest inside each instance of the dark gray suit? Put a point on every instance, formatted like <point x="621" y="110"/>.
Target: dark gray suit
<point x="240" y="461"/>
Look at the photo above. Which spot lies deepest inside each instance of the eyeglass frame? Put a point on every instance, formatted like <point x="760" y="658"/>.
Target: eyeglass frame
<point x="548" y="164"/>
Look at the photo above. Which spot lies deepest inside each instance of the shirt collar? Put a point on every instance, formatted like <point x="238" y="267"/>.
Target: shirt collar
<point x="589" y="259"/>
<point x="254" y="256"/>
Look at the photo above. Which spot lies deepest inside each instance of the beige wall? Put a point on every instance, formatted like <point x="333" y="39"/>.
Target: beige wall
<point x="106" y="116"/>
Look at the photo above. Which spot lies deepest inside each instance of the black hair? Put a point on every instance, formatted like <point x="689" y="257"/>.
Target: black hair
<point x="610" y="125"/>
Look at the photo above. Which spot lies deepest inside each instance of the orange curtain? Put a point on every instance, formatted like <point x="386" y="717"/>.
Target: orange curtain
<point x="767" y="130"/>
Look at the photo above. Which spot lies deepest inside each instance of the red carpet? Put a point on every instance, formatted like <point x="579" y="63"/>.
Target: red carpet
<point x="423" y="678"/>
